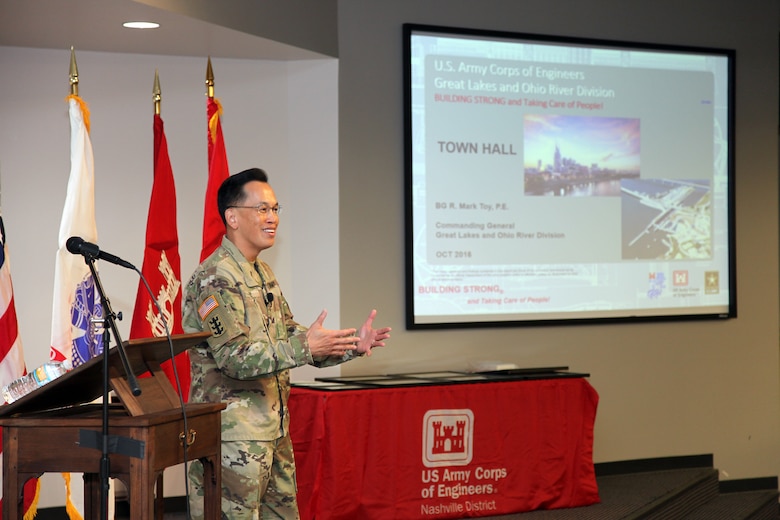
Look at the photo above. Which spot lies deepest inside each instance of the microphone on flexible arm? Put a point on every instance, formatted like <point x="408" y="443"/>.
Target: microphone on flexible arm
<point x="78" y="246"/>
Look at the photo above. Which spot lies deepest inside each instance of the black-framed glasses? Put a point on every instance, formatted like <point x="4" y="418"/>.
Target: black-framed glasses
<point x="262" y="209"/>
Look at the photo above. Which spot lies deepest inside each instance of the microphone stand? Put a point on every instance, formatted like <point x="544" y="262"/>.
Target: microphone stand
<point x="110" y="319"/>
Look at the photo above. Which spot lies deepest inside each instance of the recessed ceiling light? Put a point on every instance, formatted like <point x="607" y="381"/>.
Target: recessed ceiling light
<point x="141" y="25"/>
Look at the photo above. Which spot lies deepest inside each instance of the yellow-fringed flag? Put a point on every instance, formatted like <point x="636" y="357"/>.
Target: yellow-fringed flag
<point x="11" y="356"/>
<point x="76" y="301"/>
<point x="162" y="265"/>
<point x="213" y="228"/>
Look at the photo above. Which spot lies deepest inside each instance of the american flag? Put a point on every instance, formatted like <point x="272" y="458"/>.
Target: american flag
<point x="11" y="353"/>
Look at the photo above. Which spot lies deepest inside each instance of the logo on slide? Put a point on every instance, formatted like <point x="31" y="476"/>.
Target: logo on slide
<point x="448" y="437"/>
<point x="657" y="285"/>
<point x="711" y="282"/>
<point x="680" y="278"/>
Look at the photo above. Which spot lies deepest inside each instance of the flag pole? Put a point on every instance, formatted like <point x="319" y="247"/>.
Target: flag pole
<point x="74" y="74"/>
<point x="156" y="93"/>
<point x="209" y="80"/>
<point x="73" y="80"/>
<point x="107" y="443"/>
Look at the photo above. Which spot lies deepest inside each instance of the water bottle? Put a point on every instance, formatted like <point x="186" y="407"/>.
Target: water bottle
<point x="45" y="373"/>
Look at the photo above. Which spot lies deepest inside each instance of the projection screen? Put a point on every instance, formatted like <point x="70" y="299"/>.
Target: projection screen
<point x="564" y="180"/>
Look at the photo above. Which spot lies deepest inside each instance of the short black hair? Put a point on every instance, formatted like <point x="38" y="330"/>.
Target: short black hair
<point x="231" y="191"/>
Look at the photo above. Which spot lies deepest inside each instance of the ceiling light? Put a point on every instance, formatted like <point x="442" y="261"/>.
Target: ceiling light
<point x="141" y="25"/>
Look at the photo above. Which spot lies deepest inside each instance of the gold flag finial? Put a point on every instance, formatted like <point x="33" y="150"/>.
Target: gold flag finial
<point x="156" y="93"/>
<point x="209" y="80"/>
<point x="74" y="74"/>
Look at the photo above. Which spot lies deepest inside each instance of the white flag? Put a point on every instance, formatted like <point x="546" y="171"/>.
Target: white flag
<point x="76" y="300"/>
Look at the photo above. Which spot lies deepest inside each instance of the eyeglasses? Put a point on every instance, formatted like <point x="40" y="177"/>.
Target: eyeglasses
<point x="262" y="209"/>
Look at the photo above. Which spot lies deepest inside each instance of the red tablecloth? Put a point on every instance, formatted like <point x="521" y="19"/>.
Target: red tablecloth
<point x="444" y="451"/>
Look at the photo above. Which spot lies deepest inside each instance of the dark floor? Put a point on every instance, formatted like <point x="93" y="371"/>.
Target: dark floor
<point x="645" y="495"/>
<point x="688" y="490"/>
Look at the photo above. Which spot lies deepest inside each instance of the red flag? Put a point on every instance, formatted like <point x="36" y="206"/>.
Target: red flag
<point x="213" y="228"/>
<point x="11" y="354"/>
<point x="162" y="265"/>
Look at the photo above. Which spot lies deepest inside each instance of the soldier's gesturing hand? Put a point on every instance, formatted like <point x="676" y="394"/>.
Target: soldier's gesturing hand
<point x="328" y="342"/>
<point x="370" y="337"/>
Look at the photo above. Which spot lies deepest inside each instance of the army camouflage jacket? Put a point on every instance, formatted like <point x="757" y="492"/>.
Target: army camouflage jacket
<point x="254" y="342"/>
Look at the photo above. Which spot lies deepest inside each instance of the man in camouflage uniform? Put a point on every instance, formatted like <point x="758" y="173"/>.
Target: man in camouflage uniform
<point x="246" y="361"/>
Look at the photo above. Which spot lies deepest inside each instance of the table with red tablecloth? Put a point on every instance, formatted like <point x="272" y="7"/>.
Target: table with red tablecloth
<point x="444" y="450"/>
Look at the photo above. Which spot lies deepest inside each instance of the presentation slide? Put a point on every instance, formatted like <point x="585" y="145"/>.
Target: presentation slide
<point x="565" y="180"/>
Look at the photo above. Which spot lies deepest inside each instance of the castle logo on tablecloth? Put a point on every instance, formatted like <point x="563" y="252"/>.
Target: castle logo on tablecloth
<point x="448" y="438"/>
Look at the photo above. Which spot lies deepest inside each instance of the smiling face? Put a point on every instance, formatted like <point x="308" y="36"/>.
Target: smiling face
<point x="249" y="229"/>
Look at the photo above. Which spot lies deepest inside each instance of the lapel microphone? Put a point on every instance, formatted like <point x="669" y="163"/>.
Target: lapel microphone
<point x="268" y="298"/>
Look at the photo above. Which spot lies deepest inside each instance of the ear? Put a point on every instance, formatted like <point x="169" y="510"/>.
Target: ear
<point x="230" y="218"/>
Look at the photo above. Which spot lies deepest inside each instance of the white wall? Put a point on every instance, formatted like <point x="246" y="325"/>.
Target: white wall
<point x="278" y="116"/>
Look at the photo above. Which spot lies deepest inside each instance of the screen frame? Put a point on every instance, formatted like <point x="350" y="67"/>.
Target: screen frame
<point x="411" y="29"/>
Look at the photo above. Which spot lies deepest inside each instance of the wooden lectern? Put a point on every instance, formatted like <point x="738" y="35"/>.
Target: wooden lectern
<point x="52" y="430"/>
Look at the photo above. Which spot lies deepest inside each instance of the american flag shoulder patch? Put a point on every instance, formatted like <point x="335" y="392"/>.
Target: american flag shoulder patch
<point x="208" y="305"/>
